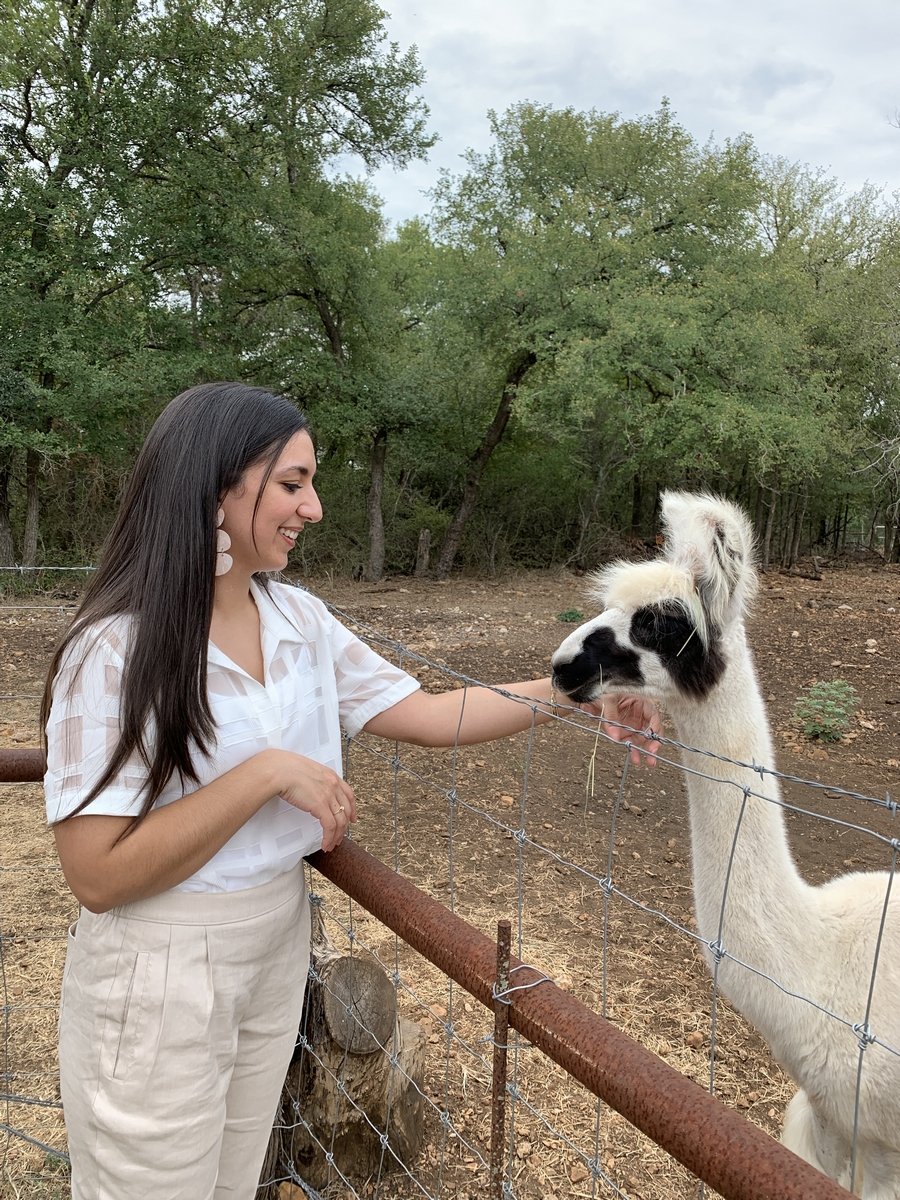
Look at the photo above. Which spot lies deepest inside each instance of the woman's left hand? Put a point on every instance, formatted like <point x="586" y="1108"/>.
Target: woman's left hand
<point x="639" y="714"/>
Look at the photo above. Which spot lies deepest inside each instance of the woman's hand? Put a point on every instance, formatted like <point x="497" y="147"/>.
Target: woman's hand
<point x="108" y="863"/>
<point x="638" y="713"/>
<point x="317" y="790"/>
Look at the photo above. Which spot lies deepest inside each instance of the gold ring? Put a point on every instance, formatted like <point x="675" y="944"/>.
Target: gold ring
<point x="339" y="809"/>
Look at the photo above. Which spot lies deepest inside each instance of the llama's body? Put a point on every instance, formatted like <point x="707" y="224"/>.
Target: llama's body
<point x="674" y="629"/>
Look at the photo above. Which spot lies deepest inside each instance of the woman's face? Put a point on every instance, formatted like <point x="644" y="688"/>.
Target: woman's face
<point x="288" y="502"/>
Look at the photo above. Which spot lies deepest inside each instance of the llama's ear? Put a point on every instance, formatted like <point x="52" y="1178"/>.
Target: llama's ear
<point x="712" y="539"/>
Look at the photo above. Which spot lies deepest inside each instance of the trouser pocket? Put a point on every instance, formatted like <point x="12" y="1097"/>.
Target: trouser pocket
<point x="132" y="1028"/>
<point x="67" y="968"/>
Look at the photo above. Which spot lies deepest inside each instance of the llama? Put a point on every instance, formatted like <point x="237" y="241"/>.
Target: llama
<point x="673" y="629"/>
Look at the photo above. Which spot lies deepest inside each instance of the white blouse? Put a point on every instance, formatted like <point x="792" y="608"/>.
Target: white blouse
<point x="318" y="676"/>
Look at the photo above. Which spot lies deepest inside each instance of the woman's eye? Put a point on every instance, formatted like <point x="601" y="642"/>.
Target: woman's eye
<point x="293" y="487"/>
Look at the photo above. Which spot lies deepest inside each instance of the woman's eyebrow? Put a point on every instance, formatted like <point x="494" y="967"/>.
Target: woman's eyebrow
<point x="297" y="470"/>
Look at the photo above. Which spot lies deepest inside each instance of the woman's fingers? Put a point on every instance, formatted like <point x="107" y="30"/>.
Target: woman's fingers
<point x="349" y="800"/>
<point x="321" y="792"/>
<point x="640" y="715"/>
<point x="342" y="811"/>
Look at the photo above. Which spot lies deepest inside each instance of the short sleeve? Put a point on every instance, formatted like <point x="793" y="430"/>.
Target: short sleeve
<point x="83" y="729"/>
<point x="367" y="684"/>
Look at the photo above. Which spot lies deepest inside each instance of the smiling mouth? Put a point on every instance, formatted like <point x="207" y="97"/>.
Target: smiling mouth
<point x="289" y="535"/>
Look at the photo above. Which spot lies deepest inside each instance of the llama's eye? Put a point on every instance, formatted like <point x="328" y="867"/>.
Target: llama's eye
<point x="664" y="630"/>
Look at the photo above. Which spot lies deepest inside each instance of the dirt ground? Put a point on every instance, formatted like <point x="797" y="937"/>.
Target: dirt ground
<point x="651" y="981"/>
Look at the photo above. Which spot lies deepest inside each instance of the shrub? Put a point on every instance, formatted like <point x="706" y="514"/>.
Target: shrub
<point x="571" y="616"/>
<point x="825" y="709"/>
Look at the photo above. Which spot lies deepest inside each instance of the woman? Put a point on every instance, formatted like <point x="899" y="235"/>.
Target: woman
<point x="193" y="720"/>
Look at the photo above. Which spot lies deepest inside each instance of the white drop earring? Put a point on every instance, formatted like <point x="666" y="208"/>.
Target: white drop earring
<point x="224" y="561"/>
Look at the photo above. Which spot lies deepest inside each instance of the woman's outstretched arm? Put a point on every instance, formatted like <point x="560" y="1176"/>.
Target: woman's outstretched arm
<point x="474" y="714"/>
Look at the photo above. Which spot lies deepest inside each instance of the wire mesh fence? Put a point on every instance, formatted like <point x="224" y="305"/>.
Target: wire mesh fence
<point x="590" y="859"/>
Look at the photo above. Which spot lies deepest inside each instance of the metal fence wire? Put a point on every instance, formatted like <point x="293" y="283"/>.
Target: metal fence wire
<point x="608" y="1006"/>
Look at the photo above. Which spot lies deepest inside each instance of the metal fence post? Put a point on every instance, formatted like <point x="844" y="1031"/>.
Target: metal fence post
<point x="498" y="1074"/>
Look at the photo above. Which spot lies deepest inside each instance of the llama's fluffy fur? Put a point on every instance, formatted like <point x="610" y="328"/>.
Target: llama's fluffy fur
<point x="815" y="942"/>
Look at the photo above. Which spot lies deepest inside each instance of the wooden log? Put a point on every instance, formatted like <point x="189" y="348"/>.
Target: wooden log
<point x="344" y="1086"/>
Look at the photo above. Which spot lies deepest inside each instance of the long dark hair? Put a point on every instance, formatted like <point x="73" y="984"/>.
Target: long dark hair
<point x="158" y="567"/>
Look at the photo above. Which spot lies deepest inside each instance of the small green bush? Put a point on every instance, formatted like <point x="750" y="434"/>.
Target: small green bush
<point x="826" y="708"/>
<point x="571" y="616"/>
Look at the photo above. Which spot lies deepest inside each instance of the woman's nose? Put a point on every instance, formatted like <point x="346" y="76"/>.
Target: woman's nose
<point x="310" y="507"/>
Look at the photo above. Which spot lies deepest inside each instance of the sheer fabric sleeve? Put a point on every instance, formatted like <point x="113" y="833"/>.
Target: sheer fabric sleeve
<point x="83" y="729"/>
<point x="367" y="684"/>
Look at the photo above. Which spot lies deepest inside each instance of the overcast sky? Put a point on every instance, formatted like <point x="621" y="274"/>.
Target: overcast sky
<point x="816" y="82"/>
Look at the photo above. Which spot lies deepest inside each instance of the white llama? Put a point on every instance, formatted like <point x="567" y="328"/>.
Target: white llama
<point x="673" y="629"/>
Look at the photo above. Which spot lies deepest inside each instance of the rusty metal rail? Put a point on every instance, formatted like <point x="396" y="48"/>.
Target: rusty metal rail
<point x="717" y="1144"/>
<point x="22" y="766"/>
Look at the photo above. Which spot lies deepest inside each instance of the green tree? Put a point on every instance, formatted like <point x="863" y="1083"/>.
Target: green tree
<point x="143" y="151"/>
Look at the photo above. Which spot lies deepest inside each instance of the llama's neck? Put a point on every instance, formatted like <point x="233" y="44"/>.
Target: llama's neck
<point x="770" y="913"/>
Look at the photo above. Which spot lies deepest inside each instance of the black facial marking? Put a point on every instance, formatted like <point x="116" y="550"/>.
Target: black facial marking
<point x="600" y="657"/>
<point x="670" y="632"/>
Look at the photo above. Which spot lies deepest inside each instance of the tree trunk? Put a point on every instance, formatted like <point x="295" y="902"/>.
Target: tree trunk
<point x="7" y="544"/>
<point x="520" y="365"/>
<point x="637" y="503"/>
<point x="30" y="537"/>
<point x="786" y="528"/>
<point x="760" y="508"/>
<point x="798" y="527"/>
<point x="767" y="537"/>
<point x="890" y="511"/>
<point x="423" y="553"/>
<point x="873" y="530"/>
<point x="375" y="568"/>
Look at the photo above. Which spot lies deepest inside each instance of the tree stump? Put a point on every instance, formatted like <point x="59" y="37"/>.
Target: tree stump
<point x="344" y="1086"/>
<point x="423" y="553"/>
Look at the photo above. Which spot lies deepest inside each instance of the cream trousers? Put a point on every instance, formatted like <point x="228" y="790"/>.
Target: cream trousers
<point x="179" y="1015"/>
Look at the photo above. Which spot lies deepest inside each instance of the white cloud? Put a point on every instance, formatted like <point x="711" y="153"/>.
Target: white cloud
<point x="817" y="82"/>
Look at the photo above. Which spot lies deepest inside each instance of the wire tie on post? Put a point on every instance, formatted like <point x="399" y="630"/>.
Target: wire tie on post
<point x="717" y="949"/>
<point x="503" y="996"/>
<point x="864" y="1032"/>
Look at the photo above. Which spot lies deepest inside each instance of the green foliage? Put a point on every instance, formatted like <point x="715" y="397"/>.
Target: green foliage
<point x="595" y="308"/>
<point x="157" y="162"/>
<point x="825" y="709"/>
<point x="572" y="616"/>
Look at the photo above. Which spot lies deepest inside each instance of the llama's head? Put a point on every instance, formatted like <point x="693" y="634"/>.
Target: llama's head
<point x="664" y="623"/>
